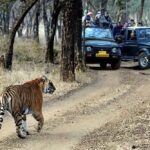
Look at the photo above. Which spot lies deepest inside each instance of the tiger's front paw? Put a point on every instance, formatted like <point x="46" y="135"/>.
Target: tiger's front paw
<point x="39" y="127"/>
<point x="21" y="133"/>
<point x="27" y="132"/>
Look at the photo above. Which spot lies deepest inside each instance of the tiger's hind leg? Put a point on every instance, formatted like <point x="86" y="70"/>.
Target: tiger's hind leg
<point x="1" y="115"/>
<point x="39" y="117"/>
<point x="24" y="124"/>
<point x="19" y="125"/>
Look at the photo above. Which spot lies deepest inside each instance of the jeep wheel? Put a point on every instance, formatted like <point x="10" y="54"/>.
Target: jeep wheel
<point x="116" y="64"/>
<point x="103" y="65"/>
<point x="143" y="61"/>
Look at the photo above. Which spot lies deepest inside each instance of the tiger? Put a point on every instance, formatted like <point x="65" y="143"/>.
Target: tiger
<point x="23" y="99"/>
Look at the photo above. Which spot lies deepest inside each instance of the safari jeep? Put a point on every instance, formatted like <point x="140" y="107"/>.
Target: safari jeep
<point x="135" y="45"/>
<point x="101" y="48"/>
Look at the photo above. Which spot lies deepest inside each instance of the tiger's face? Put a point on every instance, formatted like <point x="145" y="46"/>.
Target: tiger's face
<point x="49" y="87"/>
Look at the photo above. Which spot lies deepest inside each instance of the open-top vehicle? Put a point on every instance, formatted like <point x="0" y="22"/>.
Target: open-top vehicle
<point x="100" y="47"/>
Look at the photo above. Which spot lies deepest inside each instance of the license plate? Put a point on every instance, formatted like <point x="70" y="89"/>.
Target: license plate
<point x="102" y="54"/>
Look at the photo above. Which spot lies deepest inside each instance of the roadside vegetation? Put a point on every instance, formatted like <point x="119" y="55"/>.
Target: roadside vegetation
<point x="28" y="64"/>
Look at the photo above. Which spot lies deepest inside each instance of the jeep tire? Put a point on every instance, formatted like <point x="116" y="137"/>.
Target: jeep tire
<point x="144" y="61"/>
<point x="116" y="64"/>
<point x="103" y="65"/>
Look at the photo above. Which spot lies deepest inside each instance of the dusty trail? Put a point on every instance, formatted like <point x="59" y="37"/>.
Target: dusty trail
<point x="113" y="96"/>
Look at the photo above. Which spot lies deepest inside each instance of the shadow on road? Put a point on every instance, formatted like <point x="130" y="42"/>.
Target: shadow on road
<point x="131" y="67"/>
<point x="99" y="68"/>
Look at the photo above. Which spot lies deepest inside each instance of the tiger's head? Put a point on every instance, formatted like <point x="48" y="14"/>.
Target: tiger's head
<point x="47" y="86"/>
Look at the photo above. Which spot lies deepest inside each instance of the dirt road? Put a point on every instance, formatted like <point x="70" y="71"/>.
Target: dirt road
<point x="103" y="115"/>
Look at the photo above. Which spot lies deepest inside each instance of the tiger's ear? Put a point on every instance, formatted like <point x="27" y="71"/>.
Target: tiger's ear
<point x="44" y="78"/>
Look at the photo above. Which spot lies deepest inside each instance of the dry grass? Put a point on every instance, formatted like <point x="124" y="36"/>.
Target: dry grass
<point x="28" y="64"/>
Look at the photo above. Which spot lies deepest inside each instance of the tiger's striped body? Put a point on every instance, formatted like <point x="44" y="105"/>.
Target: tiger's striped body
<point x="21" y="100"/>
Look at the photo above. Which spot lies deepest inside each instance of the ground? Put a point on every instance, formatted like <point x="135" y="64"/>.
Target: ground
<point x="110" y="113"/>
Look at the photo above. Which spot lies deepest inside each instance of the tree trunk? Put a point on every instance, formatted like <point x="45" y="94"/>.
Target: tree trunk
<point x="78" y="37"/>
<point x="104" y="4"/>
<point x="9" y="54"/>
<point x="5" y="26"/>
<point x="122" y="11"/>
<point x="45" y="20"/>
<point x="29" y="25"/>
<point x="20" y="30"/>
<point x="49" y="57"/>
<point x="6" y="17"/>
<point x="36" y="23"/>
<point x="141" y="10"/>
<point x="60" y="27"/>
<point x="68" y="54"/>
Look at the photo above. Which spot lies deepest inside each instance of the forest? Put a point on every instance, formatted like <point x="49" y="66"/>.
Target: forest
<point x="23" y="19"/>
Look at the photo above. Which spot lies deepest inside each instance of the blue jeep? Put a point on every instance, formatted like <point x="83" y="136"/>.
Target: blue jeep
<point x="135" y="45"/>
<point x="100" y="47"/>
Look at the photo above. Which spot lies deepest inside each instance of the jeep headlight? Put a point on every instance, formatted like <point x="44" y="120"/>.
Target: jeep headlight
<point x="114" y="50"/>
<point x="89" y="49"/>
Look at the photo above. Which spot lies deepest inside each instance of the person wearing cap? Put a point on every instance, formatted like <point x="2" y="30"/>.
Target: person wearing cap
<point x="88" y="19"/>
<point x="98" y="14"/>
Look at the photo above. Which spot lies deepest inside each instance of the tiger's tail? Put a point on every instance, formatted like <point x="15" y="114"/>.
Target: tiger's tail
<point x="1" y="112"/>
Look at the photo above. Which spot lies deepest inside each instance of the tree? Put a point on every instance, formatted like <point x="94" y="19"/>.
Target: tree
<point x="45" y="20"/>
<point x="104" y="4"/>
<point x="68" y="54"/>
<point x="49" y="57"/>
<point x="5" y="8"/>
<point x="36" y="22"/>
<point x="27" y="5"/>
<point x="78" y="36"/>
<point x="122" y="10"/>
<point x="141" y="10"/>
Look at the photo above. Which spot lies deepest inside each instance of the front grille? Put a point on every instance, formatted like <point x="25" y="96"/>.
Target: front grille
<point x="96" y="49"/>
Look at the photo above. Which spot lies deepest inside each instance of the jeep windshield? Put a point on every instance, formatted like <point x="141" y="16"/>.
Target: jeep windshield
<point x="98" y="33"/>
<point x="144" y="34"/>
